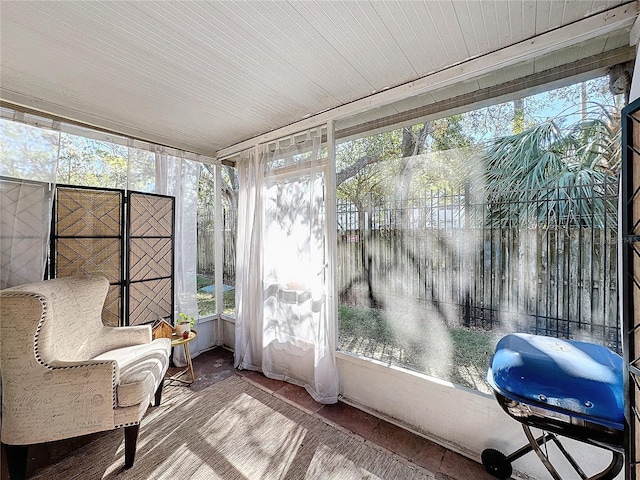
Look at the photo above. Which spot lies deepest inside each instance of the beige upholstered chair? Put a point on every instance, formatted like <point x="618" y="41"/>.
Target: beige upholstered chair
<point x="65" y="374"/>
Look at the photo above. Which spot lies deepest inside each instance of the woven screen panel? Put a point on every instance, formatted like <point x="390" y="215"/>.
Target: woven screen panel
<point x="150" y="258"/>
<point x="22" y="210"/>
<point x="151" y="216"/>
<point x="111" y="310"/>
<point x="88" y="213"/>
<point x="89" y="256"/>
<point x="149" y="301"/>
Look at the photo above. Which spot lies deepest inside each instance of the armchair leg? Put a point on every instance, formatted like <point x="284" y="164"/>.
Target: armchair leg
<point x="17" y="461"/>
<point x="130" y="440"/>
<point x="158" y="395"/>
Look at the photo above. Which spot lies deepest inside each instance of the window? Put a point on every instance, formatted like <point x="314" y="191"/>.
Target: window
<point x="207" y="240"/>
<point x="456" y="231"/>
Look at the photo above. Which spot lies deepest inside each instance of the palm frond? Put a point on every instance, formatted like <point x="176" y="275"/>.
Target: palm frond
<point x="552" y="175"/>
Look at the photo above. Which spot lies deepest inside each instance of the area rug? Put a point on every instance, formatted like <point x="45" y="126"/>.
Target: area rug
<point x="233" y="430"/>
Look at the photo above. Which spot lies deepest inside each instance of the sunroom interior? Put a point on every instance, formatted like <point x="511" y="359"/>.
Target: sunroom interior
<point x="272" y="104"/>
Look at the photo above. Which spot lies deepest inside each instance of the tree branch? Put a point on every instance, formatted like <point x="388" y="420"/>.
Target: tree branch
<point x="351" y="170"/>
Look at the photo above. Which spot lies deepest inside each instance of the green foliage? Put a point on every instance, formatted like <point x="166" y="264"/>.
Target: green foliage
<point x="403" y="160"/>
<point x="207" y="300"/>
<point x="471" y="352"/>
<point x="27" y="152"/>
<point x="185" y="318"/>
<point x="518" y="115"/>
<point x="371" y="153"/>
<point x="88" y="162"/>
<point x="551" y="173"/>
<point x="206" y="193"/>
<point x="448" y="133"/>
<point x="473" y="346"/>
<point x="368" y="322"/>
<point x="206" y="190"/>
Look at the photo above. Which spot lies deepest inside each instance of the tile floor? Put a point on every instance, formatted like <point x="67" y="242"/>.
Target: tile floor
<point x="217" y="364"/>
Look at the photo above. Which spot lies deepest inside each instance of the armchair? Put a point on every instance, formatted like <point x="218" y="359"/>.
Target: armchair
<point x="65" y="374"/>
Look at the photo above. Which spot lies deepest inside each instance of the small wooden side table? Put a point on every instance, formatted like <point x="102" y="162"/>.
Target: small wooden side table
<point x="177" y="341"/>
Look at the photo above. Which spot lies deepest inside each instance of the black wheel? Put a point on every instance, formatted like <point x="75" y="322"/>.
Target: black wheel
<point x="495" y="463"/>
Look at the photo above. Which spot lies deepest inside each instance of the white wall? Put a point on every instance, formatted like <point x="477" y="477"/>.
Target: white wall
<point x="206" y="336"/>
<point x="228" y="333"/>
<point x="458" y="418"/>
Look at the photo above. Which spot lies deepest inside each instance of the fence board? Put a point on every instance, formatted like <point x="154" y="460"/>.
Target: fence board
<point x="557" y="279"/>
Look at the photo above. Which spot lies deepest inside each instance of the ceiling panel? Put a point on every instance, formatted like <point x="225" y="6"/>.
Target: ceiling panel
<point x="205" y="75"/>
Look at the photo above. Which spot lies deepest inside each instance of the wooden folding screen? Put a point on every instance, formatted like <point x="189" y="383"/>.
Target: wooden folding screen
<point x="94" y="232"/>
<point x="88" y="239"/>
<point x="630" y="275"/>
<point x="150" y="280"/>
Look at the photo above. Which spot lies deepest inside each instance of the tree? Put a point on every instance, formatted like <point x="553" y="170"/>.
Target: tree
<point x="88" y="162"/>
<point x="554" y="174"/>
<point x="206" y="204"/>
<point x="398" y="165"/>
<point x="27" y="152"/>
<point x="394" y="162"/>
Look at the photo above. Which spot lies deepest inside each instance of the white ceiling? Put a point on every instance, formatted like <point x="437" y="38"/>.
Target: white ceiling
<point x="205" y="75"/>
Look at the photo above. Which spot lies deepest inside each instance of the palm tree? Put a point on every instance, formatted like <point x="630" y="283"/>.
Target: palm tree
<point x="555" y="175"/>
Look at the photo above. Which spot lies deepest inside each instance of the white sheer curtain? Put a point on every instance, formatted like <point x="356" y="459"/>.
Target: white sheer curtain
<point x="165" y="174"/>
<point x="248" y="335"/>
<point x="282" y="262"/>
<point x="29" y="158"/>
<point x="28" y="161"/>
<point x="179" y="178"/>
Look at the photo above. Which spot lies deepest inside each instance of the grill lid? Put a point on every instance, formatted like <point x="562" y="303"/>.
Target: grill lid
<point x="577" y="378"/>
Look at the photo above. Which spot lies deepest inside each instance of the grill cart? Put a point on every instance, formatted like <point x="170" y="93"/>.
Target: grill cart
<point x="563" y="387"/>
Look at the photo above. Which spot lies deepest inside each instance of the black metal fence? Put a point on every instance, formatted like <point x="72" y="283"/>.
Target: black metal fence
<point x="552" y="270"/>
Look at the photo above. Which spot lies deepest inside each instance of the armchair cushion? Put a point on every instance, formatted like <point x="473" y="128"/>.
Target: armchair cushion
<point x="140" y="370"/>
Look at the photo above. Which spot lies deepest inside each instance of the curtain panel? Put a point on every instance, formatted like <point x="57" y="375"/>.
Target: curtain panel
<point x="179" y="178"/>
<point x="28" y="165"/>
<point x="283" y="262"/>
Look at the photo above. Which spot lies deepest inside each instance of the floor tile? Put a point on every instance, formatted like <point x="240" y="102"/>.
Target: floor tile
<point x="460" y="467"/>
<point x="429" y="455"/>
<point x="411" y="446"/>
<point x="300" y="397"/>
<point x="350" y="418"/>
<point x="268" y="383"/>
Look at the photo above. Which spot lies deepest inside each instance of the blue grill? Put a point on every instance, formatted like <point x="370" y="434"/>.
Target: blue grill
<point x="564" y="387"/>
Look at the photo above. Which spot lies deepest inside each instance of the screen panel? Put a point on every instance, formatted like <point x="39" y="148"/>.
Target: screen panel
<point x="24" y="230"/>
<point x="150" y="257"/>
<point x="88" y="240"/>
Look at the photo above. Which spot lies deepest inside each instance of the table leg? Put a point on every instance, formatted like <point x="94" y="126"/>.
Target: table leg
<point x="188" y="369"/>
<point x="189" y="363"/>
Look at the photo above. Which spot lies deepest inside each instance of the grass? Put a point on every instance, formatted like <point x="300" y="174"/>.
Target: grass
<point x="459" y="355"/>
<point x="207" y="300"/>
<point x="456" y="354"/>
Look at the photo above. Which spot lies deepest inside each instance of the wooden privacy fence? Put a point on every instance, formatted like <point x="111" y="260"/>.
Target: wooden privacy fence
<point x="207" y="246"/>
<point x="556" y="278"/>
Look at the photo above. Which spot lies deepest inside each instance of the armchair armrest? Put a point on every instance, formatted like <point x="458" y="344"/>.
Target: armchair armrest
<point x="111" y="338"/>
<point x="74" y="398"/>
<point x="103" y="372"/>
